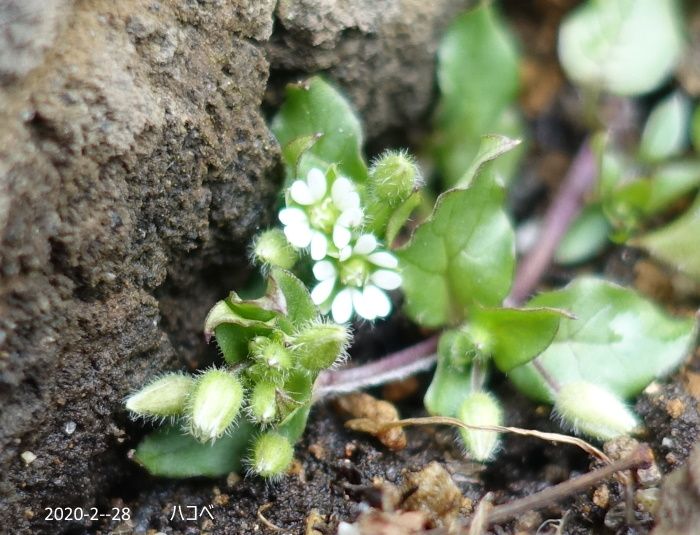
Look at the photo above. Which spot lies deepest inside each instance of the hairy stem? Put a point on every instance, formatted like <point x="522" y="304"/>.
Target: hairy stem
<point x="399" y="365"/>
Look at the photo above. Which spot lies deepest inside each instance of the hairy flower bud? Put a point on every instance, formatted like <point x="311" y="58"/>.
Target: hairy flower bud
<point x="393" y="176"/>
<point x="262" y="404"/>
<point x="319" y="345"/>
<point x="272" y="248"/>
<point x="271" y="353"/>
<point x="272" y="454"/>
<point x="214" y="404"/>
<point x="163" y="397"/>
<point x="480" y="408"/>
<point x="594" y="410"/>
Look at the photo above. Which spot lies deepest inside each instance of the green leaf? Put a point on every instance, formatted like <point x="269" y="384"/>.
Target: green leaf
<point x="462" y="256"/>
<point x="676" y="244"/>
<point x="695" y="129"/>
<point x="399" y="217"/>
<point x="450" y="385"/>
<point x="299" y="306"/>
<point x="627" y="47"/>
<point x="619" y="340"/>
<point x="586" y="237"/>
<point x="516" y="336"/>
<point x="316" y="108"/>
<point x="478" y="79"/>
<point x="666" y="131"/>
<point x="168" y="452"/>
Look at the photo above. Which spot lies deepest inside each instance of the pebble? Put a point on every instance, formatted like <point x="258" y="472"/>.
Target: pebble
<point x="69" y="428"/>
<point x="28" y="457"/>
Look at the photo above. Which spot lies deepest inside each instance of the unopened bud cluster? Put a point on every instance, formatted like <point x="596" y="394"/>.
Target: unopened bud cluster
<point x="266" y="389"/>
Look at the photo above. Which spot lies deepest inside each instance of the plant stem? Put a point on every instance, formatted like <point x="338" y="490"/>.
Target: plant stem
<point x="561" y="213"/>
<point x="393" y="367"/>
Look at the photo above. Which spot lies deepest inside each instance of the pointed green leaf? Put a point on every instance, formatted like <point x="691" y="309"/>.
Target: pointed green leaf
<point x="676" y="244"/>
<point x="478" y="80"/>
<point x="619" y="340"/>
<point x="315" y="108"/>
<point x="299" y="306"/>
<point x="586" y="237"/>
<point x="462" y="256"/>
<point x="627" y="47"/>
<point x="399" y="216"/>
<point x="516" y="336"/>
<point x="168" y="452"/>
<point x="666" y="131"/>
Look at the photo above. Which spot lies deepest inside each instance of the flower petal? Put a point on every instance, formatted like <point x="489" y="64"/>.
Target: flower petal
<point x="341" y="236"/>
<point x="301" y="193"/>
<point x="377" y="301"/>
<point x="316" y="180"/>
<point x="322" y="291"/>
<point x="342" y="306"/>
<point x="299" y="234"/>
<point x="384" y="259"/>
<point x="386" y="279"/>
<point x="365" y="244"/>
<point x="319" y="246"/>
<point x="362" y="306"/>
<point x="344" y="194"/>
<point x="352" y="217"/>
<point x="289" y="216"/>
<point x="345" y="253"/>
<point x="324" y="270"/>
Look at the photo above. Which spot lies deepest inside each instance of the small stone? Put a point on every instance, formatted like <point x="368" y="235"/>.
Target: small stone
<point x="649" y="477"/>
<point x="675" y="408"/>
<point x="601" y="496"/>
<point x="28" y="457"/>
<point x="232" y="479"/>
<point x="317" y="451"/>
<point x="648" y="499"/>
<point x="69" y="428"/>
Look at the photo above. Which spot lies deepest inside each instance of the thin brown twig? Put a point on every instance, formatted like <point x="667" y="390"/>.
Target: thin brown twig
<point x="358" y="423"/>
<point x="264" y="507"/>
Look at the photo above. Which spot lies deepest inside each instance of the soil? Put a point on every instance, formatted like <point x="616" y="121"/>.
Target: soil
<point x="135" y="166"/>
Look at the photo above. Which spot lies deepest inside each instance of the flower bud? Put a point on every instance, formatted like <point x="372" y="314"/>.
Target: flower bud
<point x="214" y="404"/>
<point x="271" y="353"/>
<point x="393" y="176"/>
<point x="262" y="404"/>
<point x="594" y="411"/>
<point x="319" y="345"/>
<point x="272" y="454"/>
<point x="272" y="248"/>
<point x="163" y="397"/>
<point x="480" y="408"/>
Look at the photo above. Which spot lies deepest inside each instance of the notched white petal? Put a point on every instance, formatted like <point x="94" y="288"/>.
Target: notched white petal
<point x="319" y="246"/>
<point x="344" y="253"/>
<point x="352" y="217"/>
<point x="324" y="270"/>
<point x="322" y="291"/>
<point x="301" y="193"/>
<point x="365" y="244"/>
<point x="341" y="236"/>
<point x="316" y="180"/>
<point x="377" y="301"/>
<point x="289" y="216"/>
<point x="386" y="279"/>
<point x="384" y="259"/>
<point x="341" y="309"/>
<point x="299" y="235"/>
<point x="363" y="306"/>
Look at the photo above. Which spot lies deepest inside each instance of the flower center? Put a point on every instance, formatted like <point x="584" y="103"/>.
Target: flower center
<point x="323" y="215"/>
<point x="354" y="272"/>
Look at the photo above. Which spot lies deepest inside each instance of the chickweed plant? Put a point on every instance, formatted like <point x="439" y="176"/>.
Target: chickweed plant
<point x="351" y="236"/>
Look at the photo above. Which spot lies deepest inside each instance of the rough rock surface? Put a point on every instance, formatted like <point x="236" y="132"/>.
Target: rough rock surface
<point x="135" y="165"/>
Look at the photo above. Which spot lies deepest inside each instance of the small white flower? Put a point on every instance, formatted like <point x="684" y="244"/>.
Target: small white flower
<point x="359" y="278"/>
<point x="318" y="220"/>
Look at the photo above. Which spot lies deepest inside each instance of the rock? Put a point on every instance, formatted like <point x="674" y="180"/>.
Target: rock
<point x="381" y="53"/>
<point x="135" y="165"/>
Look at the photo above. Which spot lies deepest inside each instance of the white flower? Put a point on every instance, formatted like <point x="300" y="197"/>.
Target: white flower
<point x="356" y="280"/>
<point x="318" y="220"/>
